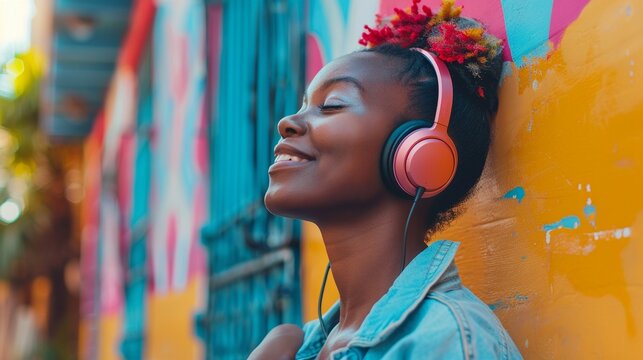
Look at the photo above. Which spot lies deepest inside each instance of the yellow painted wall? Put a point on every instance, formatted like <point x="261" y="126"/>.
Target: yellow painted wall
<point x="170" y="326"/>
<point x="110" y="326"/>
<point x="170" y="332"/>
<point x="569" y="132"/>
<point x="314" y="261"/>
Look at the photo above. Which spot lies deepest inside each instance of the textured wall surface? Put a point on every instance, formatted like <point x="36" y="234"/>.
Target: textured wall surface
<point x="170" y="292"/>
<point x="553" y="239"/>
<point x="179" y="178"/>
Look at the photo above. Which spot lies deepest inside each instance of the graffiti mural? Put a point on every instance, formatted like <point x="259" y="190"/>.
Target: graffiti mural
<point x="179" y="144"/>
<point x="166" y="128"/>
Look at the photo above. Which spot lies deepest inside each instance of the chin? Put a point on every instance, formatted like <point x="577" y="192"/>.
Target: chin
<point x="270" y="203"/>
<point x="277" y="204"/>
<point x="286" y="204"/>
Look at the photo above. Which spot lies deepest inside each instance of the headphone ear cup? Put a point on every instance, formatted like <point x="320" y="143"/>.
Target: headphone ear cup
<point x="426" y="158"/>
<point x="391" y="145"/>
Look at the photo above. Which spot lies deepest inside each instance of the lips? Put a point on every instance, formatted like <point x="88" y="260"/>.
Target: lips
<point x="287" y="155"/>
<point x="284" y="151"/>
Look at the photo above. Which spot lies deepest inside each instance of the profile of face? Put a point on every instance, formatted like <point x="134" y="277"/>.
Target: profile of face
<point x="327" y="163"/>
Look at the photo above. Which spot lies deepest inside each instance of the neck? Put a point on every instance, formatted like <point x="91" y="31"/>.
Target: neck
<point x="365" y="252"/>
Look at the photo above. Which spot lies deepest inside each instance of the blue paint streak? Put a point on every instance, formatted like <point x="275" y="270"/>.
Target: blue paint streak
<point x="498" y="305"/>
<point x="507" y="70"/>
<point x="345" y="6"/>
<point x="589" y="209"/>
<point x="527" y="23"/>
<point x="517" y="193"/>
<point x="319" y="26"/>
<point x="568" y="222"/>
<point x="508" y="302"/>
<point x="590" y="214"/>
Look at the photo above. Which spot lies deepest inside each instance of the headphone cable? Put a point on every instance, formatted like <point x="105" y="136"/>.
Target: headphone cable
<point x="319" y="302"/>
<point x="418" y="195"/>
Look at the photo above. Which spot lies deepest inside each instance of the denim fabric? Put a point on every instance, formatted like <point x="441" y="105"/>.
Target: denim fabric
<point x="426" y="314"/>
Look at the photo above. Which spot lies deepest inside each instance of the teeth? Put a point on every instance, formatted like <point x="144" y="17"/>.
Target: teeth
<point x="285" y="157"/>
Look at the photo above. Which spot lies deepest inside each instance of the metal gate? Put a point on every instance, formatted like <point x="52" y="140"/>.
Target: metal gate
<point x="256" y="68"/>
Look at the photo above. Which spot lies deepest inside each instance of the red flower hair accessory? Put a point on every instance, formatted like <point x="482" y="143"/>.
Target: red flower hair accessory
<point x="404" y="28"/>
<point x="453" y="38"/>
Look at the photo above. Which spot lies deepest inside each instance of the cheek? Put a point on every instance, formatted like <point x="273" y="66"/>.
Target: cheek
<point x="352" y="170"/>
<point x="351" y="155"/>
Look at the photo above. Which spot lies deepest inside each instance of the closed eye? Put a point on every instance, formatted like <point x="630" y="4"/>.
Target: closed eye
<point x="326" y="108"/>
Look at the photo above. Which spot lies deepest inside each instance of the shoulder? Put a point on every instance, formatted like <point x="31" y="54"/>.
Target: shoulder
<point x="458" y="325"/>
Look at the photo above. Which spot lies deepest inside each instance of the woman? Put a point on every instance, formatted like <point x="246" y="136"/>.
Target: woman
<point x="338" y="165"/>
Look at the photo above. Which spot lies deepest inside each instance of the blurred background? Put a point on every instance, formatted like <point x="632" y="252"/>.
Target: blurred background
<point x="135" y="137"/>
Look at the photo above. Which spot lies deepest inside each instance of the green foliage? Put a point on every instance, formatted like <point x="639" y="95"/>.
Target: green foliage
<point x="22" y="148"/>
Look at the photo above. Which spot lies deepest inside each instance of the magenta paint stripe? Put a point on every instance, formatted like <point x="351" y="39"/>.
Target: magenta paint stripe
<point x="563" y="14"/>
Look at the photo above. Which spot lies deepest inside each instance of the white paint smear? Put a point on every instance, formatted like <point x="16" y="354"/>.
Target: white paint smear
<point x="620" y="233"/>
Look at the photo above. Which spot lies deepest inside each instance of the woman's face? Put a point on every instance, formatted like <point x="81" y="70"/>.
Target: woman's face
<point x="328" y="160"/>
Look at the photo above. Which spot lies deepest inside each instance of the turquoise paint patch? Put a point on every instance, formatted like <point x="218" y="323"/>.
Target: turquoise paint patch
<point x="345" y="6"/>
<point x="498" y="305"/>
<point x="507" y="70"/>
<point x="319" y="27"/>
<point x="590" y="213"/>
<point x="508" y="302"/>
<point x="589" y="210"/>
<point x="568" y="222"/>
<point x="527" y="23"/>
<point x="517" y="193"/>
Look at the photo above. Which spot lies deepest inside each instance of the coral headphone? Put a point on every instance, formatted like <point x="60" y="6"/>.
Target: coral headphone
<point x="416" y="155"/>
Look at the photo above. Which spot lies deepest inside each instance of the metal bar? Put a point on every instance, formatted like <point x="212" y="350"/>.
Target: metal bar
<point x="251" y="267"/>
<point x="213" y="232"/>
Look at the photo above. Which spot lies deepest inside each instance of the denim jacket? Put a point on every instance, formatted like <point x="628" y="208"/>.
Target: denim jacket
<point x="426" y="314"/>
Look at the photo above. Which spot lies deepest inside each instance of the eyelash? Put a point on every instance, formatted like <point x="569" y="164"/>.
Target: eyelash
<point x="330" y="107"/>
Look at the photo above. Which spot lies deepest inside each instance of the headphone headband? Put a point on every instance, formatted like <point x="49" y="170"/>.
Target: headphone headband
<point x="445" y="89"/>
<point x="416" y="156"/>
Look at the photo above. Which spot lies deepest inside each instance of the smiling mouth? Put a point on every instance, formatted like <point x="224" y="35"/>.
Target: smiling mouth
<point x="285" y="157"/>
<point x="286" y="161"/>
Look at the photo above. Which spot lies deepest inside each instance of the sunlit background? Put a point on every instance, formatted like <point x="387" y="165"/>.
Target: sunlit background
<point x="15" y="38"/>
<point x="38" y="247"/>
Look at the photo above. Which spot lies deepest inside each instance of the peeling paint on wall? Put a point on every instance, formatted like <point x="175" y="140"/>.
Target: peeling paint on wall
<point x="568" y="222"/>
<point x="508" y="302"/>
<point x="517" y="193"/>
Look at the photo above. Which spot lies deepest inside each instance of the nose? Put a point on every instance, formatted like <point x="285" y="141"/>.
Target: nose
<point x="291" y="125"/>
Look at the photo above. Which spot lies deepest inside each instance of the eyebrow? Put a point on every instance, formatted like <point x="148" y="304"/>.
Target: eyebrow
<point x="341" y="79"/>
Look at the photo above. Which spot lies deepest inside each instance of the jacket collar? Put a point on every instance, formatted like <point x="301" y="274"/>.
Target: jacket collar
<point x="432" y="268"/>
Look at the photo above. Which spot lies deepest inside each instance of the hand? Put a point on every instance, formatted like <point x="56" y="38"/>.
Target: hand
<point x="281" y="343"/>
